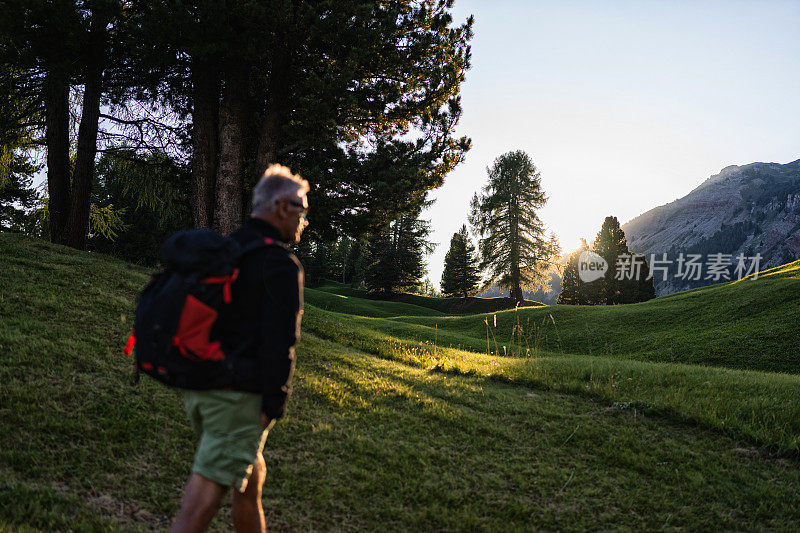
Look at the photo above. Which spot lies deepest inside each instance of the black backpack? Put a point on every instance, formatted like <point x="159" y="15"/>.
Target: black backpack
<point x="179" y="307"/>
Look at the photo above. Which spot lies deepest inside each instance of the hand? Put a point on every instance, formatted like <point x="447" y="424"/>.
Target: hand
<point x="267" y="422"/>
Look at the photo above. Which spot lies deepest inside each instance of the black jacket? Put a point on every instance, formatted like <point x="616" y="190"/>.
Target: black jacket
<point x="263" y="326"/>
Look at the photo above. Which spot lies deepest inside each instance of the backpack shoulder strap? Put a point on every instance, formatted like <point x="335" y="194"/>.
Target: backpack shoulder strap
<point x="259" y="243"/>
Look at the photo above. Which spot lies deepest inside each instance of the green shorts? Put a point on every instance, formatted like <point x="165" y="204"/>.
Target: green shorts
<point x="231" y="435"/>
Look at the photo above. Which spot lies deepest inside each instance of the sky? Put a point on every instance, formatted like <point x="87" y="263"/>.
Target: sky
<point x="622" y="105"/>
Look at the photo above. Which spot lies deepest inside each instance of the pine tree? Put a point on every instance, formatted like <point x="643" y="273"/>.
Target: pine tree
<point x="572" y="288"/>
<point x="357" y="262"/>
<point x="17" y="196"/>
<point x="397" y="254"/>
<point x="150" y="193"/>
<point x="90" y="55"/>
<point x="611" y="243"/>
<point x="513" y="246"/>
<point x="644" y="289"/>
<point x="352" y="97"/>
<point x="461" y="274"/>
<point x="339" y="257"/>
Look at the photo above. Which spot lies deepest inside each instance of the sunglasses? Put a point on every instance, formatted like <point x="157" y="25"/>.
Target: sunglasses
<point x="303" y="209"/>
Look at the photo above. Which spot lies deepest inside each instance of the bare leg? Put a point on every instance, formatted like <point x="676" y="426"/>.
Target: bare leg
<point x="201" y="500"/>
<point x="248" y="514"/>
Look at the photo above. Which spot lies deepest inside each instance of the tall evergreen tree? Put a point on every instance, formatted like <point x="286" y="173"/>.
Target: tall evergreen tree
<point x="357" y="262"/>
<point x="333" y="93"/>
<point x="617" y="287"/>
<point x="150" y="193"/>
<point x="397" y="254"/>
<point x="572" y="290"/>
<point x="611" y="243"/>
<point x="513" y="245"/>
<point x="60" y="47"/>
<point x="351" y="97"/>
<point x="461" y="274"/>
<point x="643" y="289"/>
<point x="17" y="196"/>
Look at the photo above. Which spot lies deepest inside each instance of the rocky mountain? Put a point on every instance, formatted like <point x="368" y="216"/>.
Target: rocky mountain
<point x="750" y="209"/>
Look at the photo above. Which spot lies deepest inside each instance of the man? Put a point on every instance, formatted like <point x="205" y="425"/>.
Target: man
<point x="259" y="333"/>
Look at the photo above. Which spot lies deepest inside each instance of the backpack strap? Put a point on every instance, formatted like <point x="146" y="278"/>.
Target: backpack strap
<point x="259" y="243"/>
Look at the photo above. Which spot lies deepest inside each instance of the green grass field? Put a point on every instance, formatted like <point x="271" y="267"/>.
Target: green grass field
<point x="676" y="414"/>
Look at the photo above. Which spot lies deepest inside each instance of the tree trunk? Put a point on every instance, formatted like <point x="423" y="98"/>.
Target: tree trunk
<point x="228" y="207"/>
<point x="516" y="291"/>
<point x="57" y="140"/>
<point x="78" y="224"/>
<point x="269" y="131"/>
<point x="205" y="136"/>
<point x="83" y="175"/>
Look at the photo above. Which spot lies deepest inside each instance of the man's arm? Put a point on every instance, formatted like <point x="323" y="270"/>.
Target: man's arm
<point x="281" y="312"/>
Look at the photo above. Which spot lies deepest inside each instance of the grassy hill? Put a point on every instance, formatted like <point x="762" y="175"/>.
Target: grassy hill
<point x="440" y="306"/>
<point x="392" y="429"/>
<point x="749" y="324"/>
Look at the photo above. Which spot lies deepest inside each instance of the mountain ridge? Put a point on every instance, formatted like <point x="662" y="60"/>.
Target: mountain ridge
<point x="744" y="209"/>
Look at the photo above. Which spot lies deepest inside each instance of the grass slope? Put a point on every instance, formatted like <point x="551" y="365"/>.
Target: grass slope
<point x="372" y="441"/>
<point x="750" y="324"/>
<point x="444" y="306"/>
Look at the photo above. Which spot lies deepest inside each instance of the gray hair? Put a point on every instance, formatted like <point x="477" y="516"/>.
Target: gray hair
<point x="277" y="182"/>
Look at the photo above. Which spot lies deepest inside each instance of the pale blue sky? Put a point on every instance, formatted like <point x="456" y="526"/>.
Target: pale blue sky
<point x="622" y="105"/>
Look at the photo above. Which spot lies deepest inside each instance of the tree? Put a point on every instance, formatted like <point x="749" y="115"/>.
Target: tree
<point x="53" y="80"/>
<point x="611" y="243"/>
<point x="629" y="286"/>
<point x="149" y="194"/>
<point x="17" y="197"/>
<point x="357" y="262"/>
<point x="427" y="288"/>
<point x="19" y="116"/>
<point x="461" y="273"/>
<point x="397" y="254"/>
<point x="351" y="96"/>
<point x="573" y="291"/>
<point x="513" y="246"/>
<point x="643" y="289"/>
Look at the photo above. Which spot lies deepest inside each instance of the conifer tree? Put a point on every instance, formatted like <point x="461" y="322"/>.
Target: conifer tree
<point x="55" y="48"/>
<point x="357" y="262"/>
<point x="460" y="275"/>
<point x="572" y="290"/>
<point x="17" y="195"/>
<point x="643" y="289"/>
<point x="513" y="246"/>
<point x="611" y="243"/>
<point x="397" y="254"/>
<point x="148" y="193"/>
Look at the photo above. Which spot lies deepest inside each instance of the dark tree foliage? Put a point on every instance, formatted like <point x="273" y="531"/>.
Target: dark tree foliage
<point x="461" y="273"/>
<point x="573" y="291"/>
<point x="328" y="260"/>
<point x="357" y="262"/>
<point x="397" y="254"/>
<point x="610" y="244"/>
<point x="150" y="193"/>
<point x="18" y="197"/>
<point x="54" y="48"/>
<point x="643" y="289"/>
<point x="318" y="265"/>
<point x="513" y="245"/>
<point x="351" y="95"/>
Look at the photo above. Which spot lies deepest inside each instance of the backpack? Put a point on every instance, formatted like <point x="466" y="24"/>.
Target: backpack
<point x="179" y="307"/>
